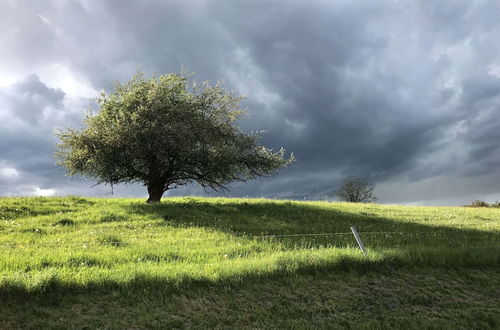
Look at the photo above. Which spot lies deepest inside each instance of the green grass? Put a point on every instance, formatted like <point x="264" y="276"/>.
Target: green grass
<point x="244" y="263"/>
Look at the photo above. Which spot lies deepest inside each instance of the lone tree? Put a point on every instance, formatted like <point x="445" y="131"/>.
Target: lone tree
<point x="166" y="131"/>
<point x="357" y="190"/>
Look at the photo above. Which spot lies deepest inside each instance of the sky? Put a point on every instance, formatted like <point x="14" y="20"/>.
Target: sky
<point x="405" y="94"/>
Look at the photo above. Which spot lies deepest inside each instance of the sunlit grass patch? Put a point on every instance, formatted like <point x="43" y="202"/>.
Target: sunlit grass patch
<point x="62" y="247"/>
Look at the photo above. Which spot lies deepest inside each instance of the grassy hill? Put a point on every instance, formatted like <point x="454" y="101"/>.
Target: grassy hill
<point x="246" y="263"/>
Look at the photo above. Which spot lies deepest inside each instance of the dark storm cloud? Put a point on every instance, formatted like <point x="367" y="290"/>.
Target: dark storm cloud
<point x="28" y="111"/>
<point x="27" y="99"/>
<point x="401" y="93"/>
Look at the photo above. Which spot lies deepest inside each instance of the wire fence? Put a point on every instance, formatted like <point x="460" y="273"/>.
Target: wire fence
<point x="173" y="241"/>
<point x="161" y="240"/>
<point x="19" y="275"/>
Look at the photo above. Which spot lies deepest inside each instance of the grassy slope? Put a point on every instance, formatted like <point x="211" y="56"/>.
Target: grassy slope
<point x="191" y="262"/>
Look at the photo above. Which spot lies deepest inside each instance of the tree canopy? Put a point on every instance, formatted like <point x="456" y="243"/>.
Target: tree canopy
<point x="356" y="190"/>
<point x="167" y="131"/>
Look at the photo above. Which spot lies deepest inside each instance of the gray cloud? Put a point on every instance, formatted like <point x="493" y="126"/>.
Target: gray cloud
<point x="402" y="93"/>
<point x="27" y="99"/>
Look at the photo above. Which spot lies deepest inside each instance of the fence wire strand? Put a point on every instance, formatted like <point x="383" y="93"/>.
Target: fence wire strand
<point x="159" y="240"/>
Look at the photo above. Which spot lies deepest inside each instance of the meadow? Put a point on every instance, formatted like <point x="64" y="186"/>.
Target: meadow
<point x="75" y="262"/>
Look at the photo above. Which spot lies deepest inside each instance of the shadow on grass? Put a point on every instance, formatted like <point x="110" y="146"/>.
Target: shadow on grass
<point x="244" y="219"/>
<point x="420" y="245"/>
<point x="51" y="289"/>
<point x="421" y="299"/>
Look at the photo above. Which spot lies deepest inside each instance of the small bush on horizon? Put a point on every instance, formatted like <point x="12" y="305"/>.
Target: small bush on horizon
<point x="496" y="204"/>
<point x="479" y="203"/>
<point x="356" y="190"/>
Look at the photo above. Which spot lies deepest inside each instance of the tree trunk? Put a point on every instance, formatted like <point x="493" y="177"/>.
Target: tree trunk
<point x="155" y="194"/>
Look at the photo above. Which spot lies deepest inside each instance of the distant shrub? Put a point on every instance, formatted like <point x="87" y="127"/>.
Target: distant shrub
<point x="479" y="203"/>
<point x="356" y="190"/>
<point x="496" y="204"/>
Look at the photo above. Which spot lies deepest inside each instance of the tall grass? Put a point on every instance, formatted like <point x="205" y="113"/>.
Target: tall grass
<point x="246" y="263"/>
<point x="77" y="243"/>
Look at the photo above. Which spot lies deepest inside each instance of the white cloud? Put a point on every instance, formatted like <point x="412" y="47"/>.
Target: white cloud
<point x="45" y="20"/>
<point x="60" y="76"/>
<point x="8" y="173"/>
<point x="43" y="192"/>
<point x="7" y="79"/>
